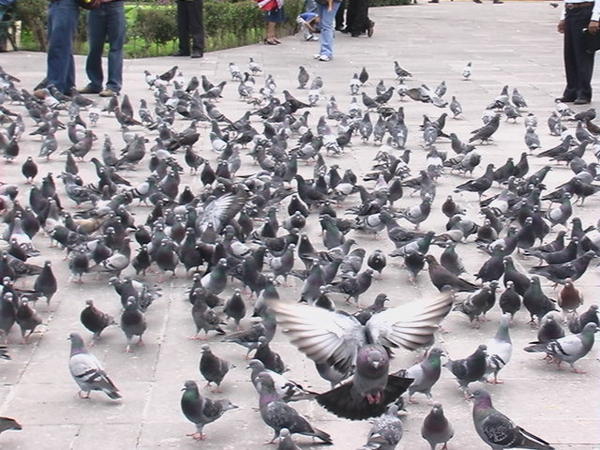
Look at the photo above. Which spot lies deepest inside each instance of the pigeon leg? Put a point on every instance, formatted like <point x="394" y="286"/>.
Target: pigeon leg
<point x="575" y="370"/>
<point x="85" y="397"/>
<point x="197" y="436"/>
<point x="412" y="401"/>
<point x="140" y="341"/>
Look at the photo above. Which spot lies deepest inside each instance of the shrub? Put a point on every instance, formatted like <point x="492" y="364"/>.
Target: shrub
<point x="33" y="15"/>
<point x="156" y="25"/>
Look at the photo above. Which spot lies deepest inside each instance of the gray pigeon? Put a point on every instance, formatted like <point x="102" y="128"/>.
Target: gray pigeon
<point x="369" y="391"/>
<point x="88" y="372"/>
<point x="285" y="441"/>
<point x="201" y="410"/>
<point x="499" y="349"/>
<point x="436" y="429"/>
<point x="133" y="322"/>
<point x="213" y="368"/>
<point x="386" y="432"/>
<point x="470" y="369"/>
<point x="570" y="348"/>
<point x="497" y="430"/>
<point x="425" y="374"/>
<point x="287" y="390"/>
<point x="278" y="415"/>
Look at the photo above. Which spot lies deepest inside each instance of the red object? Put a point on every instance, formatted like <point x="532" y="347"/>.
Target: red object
<point x="267" y="5"/>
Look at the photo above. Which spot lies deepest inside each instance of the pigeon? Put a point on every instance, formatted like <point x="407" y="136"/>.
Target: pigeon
<point x="386" y="431"/>
<point x="370" y="390"/>
<point x="569" y="297"/>
<point x="510" y="300"/>
<point x="536" y="302"/>
<point x="470" y="369"/>
<point x="436" y="429"/>
<point x="213" y="368"/>
<point x="277" y="414"/>
<point x="87" y="371"/>
<point x="45" y="284"/>
<point x="270" y="359"/>
<point x="497" y="430"/>
<point x="576" y="323"/>
<point x="235" y="308"/>
<point x="440" y="277"/>
<point x="133" y="322"/>
<point x="425" y="374"/>
<point x="285" y="441"/>
<point x="287" y="390"/>
<point x="569" y="348"/>
<point x="95" y="320"/>
<point x="7" y="423"/>
<point x="467" y="71"/>
<point x="201" y="410"/>
<point x="499" y="349"/>
<point x="27" y="319"/>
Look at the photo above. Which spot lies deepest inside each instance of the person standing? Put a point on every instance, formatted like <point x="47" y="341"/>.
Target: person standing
<point x="190" y="25"/>
<point x="62" y="25"/>
<point x="106" y="23"/>
<point x="357" y="18"/>
<point x="579" y="65"/>
<point x="327" y="12"/>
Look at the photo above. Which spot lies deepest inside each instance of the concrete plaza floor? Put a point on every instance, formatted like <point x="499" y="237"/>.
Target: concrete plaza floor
<point x="513" y="44"/>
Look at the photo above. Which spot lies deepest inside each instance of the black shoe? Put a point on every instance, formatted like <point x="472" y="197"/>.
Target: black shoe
<point x="372" y="27"/>
<point x="180" y="54"/>
<point x="197" y="54"/>
<point x="581" y="101"/>
<point x="564" y="99"/>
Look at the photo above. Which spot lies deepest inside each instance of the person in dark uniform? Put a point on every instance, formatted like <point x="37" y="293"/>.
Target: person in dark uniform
<point x="357" y="18"/>
<point x="579" y="65"/>
<point x="190" y="24"/>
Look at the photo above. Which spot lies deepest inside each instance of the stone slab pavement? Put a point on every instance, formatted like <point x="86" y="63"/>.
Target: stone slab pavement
<point x="513" y="44"/>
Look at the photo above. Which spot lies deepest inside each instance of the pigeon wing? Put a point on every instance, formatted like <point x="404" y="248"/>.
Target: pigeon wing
<point x="323" y="336"/>
<point x="221" y="210"/>
<point x="499" y="430"/>
<point x="410" y="326"/>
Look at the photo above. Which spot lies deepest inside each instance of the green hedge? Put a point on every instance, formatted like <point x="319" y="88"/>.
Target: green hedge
<point x="152" y="27"/>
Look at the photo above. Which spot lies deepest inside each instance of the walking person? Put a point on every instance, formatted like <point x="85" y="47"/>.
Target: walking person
<point x="190" y="26"/>
<point x="106" y="23"/>
<point x="327" y="12"/>
<point x="579" y="65"/>
<point x="62" y="25"/>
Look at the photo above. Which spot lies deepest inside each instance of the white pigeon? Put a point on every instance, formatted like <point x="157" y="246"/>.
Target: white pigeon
<point x="499" y="349"/>
<point x="467" y="71"/>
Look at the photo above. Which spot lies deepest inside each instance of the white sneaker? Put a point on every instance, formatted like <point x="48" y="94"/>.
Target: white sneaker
<point x="313" y="38"/>
<point x="324" y="58"/>
<point x="317" y="56"/>
<point x="300" y="20"/>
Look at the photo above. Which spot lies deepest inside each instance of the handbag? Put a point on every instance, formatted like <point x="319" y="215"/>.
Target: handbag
<point x="591" y="41"/>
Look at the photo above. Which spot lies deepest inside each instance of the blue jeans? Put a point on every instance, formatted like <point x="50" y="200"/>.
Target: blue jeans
<point x="62" y="24"/>
<point x="327" y="25"/>
<point x="106" y="24"/>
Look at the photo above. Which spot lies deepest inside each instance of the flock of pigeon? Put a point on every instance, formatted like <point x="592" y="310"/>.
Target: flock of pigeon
<point x="236" y="215"/>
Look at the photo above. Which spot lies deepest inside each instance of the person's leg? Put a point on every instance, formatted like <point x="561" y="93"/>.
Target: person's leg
<point x="115" y="15"/>
<point x="570" y="92"/>
<point x="584" y="62"/>
<point x="327" y="36"/>
<point x="197" y="28"/>
<point x="183" y="27"/>
<point x="62" y="23"/>
<point x="97" y="24"/>
<point x="339" y="17"/>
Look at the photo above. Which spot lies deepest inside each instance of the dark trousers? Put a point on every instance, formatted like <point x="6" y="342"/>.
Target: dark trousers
<point x="579" y="65"/>
<point x="339" y="16"/>
<point x="357" y="17"/>
<point x="190" y="24"/>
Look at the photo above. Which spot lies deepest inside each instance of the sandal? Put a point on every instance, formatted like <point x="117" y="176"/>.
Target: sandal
<point x="269" y="42"/>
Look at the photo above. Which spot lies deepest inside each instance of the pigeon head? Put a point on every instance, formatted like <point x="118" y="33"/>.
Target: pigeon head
<point x="77" y="345"/>
<point x="89" y="302"/>
<point x="590" y="328"/>
<point x="190" y="386"/>
<point x="205" y="348"/>
<point x="372" y="361"/>
<point x="481" y="398"/>
<point x="437" y="409"/>
<point x="255" y="364"/>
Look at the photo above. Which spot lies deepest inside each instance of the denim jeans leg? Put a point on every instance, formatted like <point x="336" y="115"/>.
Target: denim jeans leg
<point x="327" y="31"/>
<point x="116" y="39"/>
<point x="97" y="21"/>
<point x="62" y="23"/>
